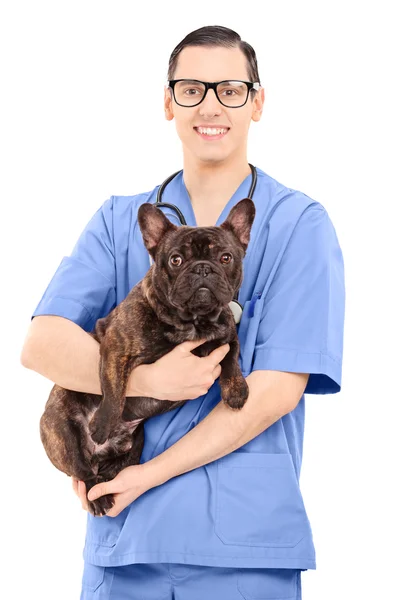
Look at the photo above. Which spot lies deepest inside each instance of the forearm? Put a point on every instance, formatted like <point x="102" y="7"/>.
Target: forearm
<point x="221" y="432"/>
<point x="60" y="350"/>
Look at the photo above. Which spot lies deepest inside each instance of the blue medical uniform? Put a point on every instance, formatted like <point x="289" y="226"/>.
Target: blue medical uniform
<point x="245" y="509"/>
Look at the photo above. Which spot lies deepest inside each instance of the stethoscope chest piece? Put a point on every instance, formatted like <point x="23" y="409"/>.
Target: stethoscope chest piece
<point x="236" y="309"/>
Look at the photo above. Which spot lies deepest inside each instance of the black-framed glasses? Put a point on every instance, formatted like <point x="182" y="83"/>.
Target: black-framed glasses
<point x="230" y="93"/>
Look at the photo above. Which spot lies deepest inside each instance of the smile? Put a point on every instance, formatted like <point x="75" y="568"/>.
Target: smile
<point x="211" y="133"/>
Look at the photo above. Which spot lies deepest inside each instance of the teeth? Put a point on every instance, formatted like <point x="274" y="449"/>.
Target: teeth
<point x="211" y="131"/>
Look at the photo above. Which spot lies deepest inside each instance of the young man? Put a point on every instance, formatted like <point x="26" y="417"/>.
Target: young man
<point x="214" y="510"/>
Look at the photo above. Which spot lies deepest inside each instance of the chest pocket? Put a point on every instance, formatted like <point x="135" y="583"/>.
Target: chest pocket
<point x="247" y="331"/>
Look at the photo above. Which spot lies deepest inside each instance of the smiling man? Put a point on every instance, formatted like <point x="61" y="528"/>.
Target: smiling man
<point x="213" y="135"/>
<point x="214" y="510"/>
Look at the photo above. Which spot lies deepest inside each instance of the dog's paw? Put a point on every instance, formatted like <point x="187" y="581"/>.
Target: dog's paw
<point x="100" y="507"/>
<point x="235" y="392"/>
<point x="99" y="430"/>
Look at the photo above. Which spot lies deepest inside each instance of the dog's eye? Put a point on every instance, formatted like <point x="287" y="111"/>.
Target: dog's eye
<point x="175" y="260"/>
<point x="226" y="258"/>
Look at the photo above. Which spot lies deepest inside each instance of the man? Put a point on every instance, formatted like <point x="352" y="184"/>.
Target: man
<point x="196" y="519"/>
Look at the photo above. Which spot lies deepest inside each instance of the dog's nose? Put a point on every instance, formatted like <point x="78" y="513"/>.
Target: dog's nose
<point x="202" y="269"/>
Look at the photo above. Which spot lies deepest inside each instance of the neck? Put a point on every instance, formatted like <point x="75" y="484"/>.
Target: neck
<point x="211" y="186"/>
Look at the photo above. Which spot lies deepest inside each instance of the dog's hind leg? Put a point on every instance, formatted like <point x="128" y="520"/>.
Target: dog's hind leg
<point x="109" y="468"/>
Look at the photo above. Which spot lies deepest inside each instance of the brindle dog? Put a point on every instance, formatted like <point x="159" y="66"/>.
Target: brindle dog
<point x="185" y="295"/>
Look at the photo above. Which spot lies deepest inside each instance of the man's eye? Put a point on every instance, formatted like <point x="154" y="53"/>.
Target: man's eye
<point x="226" y="258"/>
<point x="175" y="260"/>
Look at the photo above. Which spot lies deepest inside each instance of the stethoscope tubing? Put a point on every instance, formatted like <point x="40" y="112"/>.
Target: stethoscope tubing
<point x="238" y="309"/>
<point x="178" y="211"/>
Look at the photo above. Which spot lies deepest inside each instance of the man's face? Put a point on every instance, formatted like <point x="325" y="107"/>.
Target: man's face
<point x="213" y="64"/>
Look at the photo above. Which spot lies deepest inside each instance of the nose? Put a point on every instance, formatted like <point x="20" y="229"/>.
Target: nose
<point x="202" y="269"/>
<point x="210" y="104"/>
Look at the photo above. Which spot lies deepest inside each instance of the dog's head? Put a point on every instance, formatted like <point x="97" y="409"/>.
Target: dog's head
<point x="197" y="270"/>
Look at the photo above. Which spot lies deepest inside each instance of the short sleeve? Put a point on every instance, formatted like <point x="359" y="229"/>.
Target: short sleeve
<point x="302" y="322"/>
<point x="83" y="286"/>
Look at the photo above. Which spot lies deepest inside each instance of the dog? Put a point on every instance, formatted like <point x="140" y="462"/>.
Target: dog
<point x="184" y="295"/>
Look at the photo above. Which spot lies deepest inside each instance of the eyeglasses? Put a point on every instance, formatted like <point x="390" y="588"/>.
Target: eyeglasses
<point x="230" y="93"/>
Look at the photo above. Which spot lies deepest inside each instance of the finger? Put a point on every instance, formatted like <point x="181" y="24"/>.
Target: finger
<point x="218" y="354"/>
<point x="100" y="490"/>
<point x="82" y="495"/>
<point x="75" y="485"/>
<point x="189" y="345"/>
<point x="217" y="371"/>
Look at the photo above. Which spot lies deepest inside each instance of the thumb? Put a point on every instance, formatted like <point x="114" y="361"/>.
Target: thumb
<point x="218" y="354"/>
<point x="100" y="489"/>
<point x="189" y="345"/>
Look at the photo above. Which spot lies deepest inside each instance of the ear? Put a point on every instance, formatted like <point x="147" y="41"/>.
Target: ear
<point x="153" y="225"/>
<point x="240" y="220"/>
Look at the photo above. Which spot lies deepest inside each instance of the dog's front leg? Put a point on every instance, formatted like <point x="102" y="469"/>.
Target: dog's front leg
<point x="114" y="374"/>
<point x="234" y="388"/>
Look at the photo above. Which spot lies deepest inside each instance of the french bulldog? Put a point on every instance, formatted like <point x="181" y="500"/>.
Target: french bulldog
<point x="184" y="295"/>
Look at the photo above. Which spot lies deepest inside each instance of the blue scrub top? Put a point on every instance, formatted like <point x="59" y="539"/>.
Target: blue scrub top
<point x="244" y="509"/>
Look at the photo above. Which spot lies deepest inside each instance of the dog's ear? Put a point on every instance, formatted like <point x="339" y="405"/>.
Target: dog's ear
<point x="153" y="225"/>
<point x="240" y="220"/>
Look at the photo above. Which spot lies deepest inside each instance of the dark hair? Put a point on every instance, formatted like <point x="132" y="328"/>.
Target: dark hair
<point x="215" y="35"/>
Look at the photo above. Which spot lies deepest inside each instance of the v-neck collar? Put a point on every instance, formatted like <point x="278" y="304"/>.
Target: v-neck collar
<point x="177" y="194"/>
<point x="186" y="207"/>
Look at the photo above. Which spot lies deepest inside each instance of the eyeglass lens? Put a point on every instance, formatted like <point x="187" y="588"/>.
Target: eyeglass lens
<point x="230" y="93"/>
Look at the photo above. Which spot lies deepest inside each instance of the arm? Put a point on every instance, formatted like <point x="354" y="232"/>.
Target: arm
<point x="300" y="333"/>
<point x="272" y="394"/>
<point x="62" y="351"/>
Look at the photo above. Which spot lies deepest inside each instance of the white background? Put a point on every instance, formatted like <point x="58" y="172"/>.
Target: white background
<point x="76" y="127"/>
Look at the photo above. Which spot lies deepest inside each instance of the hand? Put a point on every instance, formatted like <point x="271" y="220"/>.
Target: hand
<point x="129" y="484"/>
<point x="180" y="375"/>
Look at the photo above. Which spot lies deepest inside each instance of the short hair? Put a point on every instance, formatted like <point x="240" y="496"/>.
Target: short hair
<point x="211" y="36"/>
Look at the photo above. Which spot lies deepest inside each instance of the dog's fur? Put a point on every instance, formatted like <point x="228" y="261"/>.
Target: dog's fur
<point x="93" y="437"/>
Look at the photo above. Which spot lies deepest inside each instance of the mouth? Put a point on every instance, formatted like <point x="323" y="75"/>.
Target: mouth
<point x="203" y="294"/>
<point x="211" y="133"/>
<point x="202" y="300"/>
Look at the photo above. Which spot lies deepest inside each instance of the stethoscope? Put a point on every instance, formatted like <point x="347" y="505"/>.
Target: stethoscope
<point x="234" y="305"/>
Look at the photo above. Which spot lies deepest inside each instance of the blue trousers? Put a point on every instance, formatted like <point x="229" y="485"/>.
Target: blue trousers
<point x="171" y="581"/>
